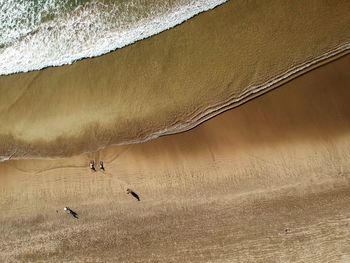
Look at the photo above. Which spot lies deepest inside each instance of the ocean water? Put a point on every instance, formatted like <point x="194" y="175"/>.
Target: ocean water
<point x="39" y="33"/>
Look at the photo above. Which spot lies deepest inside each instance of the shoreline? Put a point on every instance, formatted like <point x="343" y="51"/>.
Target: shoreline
<point x="215" y="110"/>
<point x="169" y="83"/>
<point x="258" y="170"/>
<point x="169" y="25"/>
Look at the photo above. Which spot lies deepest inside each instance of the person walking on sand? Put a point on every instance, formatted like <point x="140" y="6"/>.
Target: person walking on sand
<point x="101" y="166"/>
<point x="92" y="166"/>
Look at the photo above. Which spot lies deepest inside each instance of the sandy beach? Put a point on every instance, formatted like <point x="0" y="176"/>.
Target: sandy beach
<point x="170" y="82"/>
<point x="267" y="181"/>
<point x="233" y="130"/>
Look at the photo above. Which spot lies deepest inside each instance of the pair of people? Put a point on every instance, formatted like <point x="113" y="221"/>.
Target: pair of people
<point x="92" y="166"/>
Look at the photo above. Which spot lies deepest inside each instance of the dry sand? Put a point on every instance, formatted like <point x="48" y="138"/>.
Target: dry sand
<point x="172" y="81"/>
<point x="224" y="191"/>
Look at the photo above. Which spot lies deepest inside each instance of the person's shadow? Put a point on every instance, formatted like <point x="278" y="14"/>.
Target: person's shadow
<point x="74" y="214"/>
<point x="135" y="195"/>
<point x="71" y="212"/>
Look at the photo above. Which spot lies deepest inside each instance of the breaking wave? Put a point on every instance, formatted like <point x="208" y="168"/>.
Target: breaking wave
<point x="43" y="33"/>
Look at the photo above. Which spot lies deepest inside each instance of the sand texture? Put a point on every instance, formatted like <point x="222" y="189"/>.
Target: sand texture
<point x="267" y="181"/>
<point x="170" y="82"/>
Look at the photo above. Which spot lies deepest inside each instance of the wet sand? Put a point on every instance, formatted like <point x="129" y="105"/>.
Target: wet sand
<point x="170" y="82"/>
<point x="225" y="191"/>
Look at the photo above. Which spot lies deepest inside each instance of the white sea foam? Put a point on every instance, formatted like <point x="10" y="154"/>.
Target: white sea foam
<point x="31" y="41"/>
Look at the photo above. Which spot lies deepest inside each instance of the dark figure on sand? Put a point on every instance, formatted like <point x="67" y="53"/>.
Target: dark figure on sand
<point x="101" y="166"/>
<point x="71" y="212"/>
<point x="129" y="191"/>
<point x="92" y="166"/>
